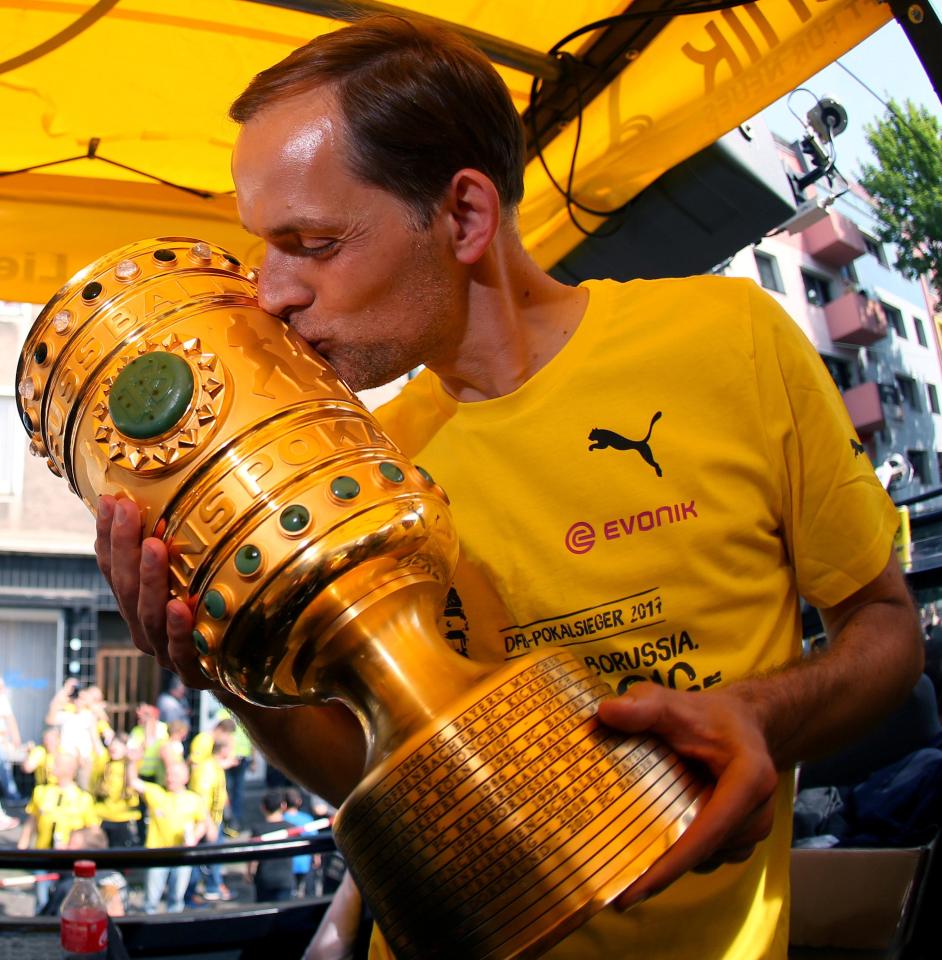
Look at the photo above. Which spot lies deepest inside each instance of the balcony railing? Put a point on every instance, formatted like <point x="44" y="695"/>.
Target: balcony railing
<point x="835" y="240"/>
<point x="865" y="408"/>
<point x="854" y="319"/>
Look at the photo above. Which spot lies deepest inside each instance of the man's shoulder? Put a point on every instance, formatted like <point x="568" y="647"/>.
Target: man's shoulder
<point x="695" y="292"/>
<point x="153" y="792"/>
<point x="299" y="819"/>
<point x="674" y="317"/>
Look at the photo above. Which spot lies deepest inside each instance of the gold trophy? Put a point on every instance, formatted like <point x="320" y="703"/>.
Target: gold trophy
<point x="495" y="814"/>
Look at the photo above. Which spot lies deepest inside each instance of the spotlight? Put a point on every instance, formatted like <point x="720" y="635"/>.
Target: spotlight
<point x="827" y="118"/>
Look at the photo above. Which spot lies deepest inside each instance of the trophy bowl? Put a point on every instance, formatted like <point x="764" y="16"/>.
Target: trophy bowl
<point x="495" y="813"/>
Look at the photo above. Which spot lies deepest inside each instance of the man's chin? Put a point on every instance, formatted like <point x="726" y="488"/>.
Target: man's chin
<point x="358" y="375"/>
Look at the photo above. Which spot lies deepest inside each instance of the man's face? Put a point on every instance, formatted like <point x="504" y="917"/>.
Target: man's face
<point x="65" y="767"/>
<point x="345" y="262"/>
<point x="177" y="776"/>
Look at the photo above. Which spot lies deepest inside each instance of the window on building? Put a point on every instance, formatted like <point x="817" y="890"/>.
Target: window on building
<point x="769" y="275"/>
<point x="920" y="332"/>
<point x="920" y="461"/>
<point x="889" y="393"/>
<point x="849" y="273"/>
<point x="933" y="395"/>
<point x="875" y="249"/>
<point x="840" y="371"/>
<point x="907" y="389"/>
<point x="895" y="319"/>
<point x="817" y="288"/>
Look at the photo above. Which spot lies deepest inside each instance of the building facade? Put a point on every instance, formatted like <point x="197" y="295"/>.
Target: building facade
<point x="874" y="328"/>
<point x="58" y="618"/>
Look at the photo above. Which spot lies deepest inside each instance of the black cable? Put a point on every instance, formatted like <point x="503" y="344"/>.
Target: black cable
<point x="683" y="10"/>
<point x="92" y="154"/>
<point x="536" y="88"/>
<point x="889" y="107"/>
<point x="88" y="19"/>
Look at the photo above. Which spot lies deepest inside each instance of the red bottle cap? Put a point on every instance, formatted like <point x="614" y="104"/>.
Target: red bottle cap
<point x="84" y="868"/>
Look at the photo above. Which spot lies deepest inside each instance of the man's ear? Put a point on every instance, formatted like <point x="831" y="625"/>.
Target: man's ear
<point x="472" y="208"/>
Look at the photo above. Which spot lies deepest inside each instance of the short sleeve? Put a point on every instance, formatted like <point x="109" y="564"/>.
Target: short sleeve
<point x="838" y="521"/>
<point x="153" y="793"/>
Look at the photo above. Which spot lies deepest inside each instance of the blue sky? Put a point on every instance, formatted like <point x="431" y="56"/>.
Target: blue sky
<point x="884" y="61"/>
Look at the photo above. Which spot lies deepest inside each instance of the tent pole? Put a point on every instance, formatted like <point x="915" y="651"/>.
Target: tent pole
<point x="921" y="25"/>
<point x="507" y="54"/>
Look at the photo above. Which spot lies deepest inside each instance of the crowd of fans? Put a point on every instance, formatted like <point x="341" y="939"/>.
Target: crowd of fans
<point x="155" y="786"/>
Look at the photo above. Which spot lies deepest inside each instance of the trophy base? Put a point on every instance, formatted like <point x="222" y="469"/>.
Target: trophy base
<point x="498" y="829"/>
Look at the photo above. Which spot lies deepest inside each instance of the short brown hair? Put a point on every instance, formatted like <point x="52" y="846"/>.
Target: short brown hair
<point x="419" y="103"/>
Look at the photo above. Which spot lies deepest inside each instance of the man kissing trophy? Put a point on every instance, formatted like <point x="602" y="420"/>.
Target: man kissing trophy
<point x="495" y="814"/>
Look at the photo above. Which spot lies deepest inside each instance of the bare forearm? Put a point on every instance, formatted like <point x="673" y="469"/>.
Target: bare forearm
<point x="813" y="707"/>
<point x="321" y="748"/>
<point x="26" y="835"/>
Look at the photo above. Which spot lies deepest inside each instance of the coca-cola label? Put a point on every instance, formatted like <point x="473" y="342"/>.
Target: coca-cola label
<point x="84" y="934"/>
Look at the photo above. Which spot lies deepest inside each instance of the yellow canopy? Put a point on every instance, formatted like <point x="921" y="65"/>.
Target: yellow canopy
<point x="151" y="81"/>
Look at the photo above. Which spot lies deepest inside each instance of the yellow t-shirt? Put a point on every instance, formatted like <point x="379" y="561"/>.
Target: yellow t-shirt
<point x="172" y="816"/>
<point x="59" y="811"/>
<point x="656" y="499"/>
<point x="116" y="801"/>
<point x="207" y="776"/>
<point x="42" y="763"/>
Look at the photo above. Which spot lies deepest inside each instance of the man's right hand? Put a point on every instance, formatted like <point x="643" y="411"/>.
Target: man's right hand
<point x="139" y="575"/>
<point x="320" y="747"/>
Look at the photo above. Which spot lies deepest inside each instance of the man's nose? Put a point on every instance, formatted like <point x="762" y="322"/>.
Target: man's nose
<point x="280" y="289"/>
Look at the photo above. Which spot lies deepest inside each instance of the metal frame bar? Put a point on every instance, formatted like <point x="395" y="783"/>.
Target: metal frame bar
<point x="612" y="51"/>
<point x="921" y="25"/>
<point x="565" y="83"/>
<point x="504" y="52"/>
<point x="125" y="858"/>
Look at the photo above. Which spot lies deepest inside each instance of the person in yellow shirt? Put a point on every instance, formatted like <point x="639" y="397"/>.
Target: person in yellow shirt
<point x="176" y="817"/>
<point x="173" y="749"/>
<point x="659" y="469"/>
<point x="117" y="804"/>
<point x="55" y="811"/>
<point x="208" y="757"/>
<point x="41" y="758"/>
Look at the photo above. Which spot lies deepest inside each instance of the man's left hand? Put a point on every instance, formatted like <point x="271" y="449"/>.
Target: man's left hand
<point x="721" y="736"/>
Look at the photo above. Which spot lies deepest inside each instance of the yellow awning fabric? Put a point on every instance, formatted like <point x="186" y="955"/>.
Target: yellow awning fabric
<point x="151" y="80"/>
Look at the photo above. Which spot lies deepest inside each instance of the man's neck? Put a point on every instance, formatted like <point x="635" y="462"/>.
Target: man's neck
<point x="517" y="319"/>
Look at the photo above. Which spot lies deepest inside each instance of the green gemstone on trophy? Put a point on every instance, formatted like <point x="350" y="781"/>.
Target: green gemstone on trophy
<point x="151" y="395"/>
<point x="215" y="604"/>
<point x="199" y="641"/>
<point x="248" y="559"/>
<point x="391" y="472"/>
<point x="295" y="518"/>
<point x="344" y="488"/>
<point x="425" y="475"/>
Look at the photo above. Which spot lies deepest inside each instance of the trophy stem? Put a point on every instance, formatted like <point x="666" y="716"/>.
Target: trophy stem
<point x="386" y="661"/>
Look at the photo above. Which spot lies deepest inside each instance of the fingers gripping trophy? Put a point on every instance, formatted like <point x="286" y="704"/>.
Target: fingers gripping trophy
<point x="495" y="814"/>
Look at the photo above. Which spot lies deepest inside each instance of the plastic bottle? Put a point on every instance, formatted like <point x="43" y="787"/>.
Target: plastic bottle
<point x="83" y="922"/>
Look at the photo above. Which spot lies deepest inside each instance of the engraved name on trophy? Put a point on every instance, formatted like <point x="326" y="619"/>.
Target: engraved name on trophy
<point x="495" y="813"/>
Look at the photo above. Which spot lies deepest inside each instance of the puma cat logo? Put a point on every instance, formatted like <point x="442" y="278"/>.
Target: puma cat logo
<point x="858" y="448"/>
<point x="602" y="439"/>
